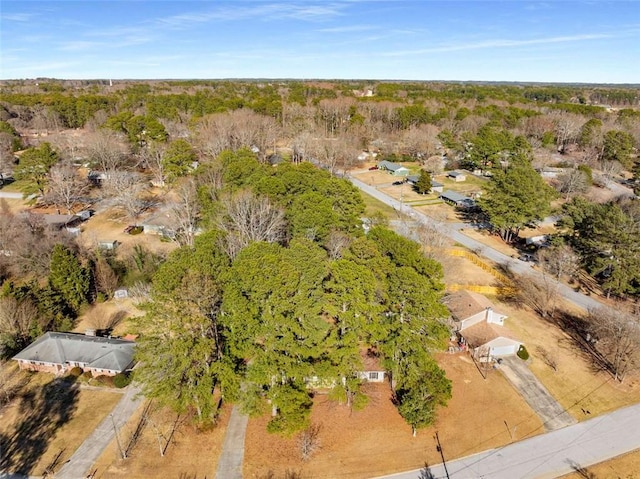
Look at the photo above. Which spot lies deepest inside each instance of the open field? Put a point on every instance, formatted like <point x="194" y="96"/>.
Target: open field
<point x="190" y="454"/>
<point x="47" y="420"/>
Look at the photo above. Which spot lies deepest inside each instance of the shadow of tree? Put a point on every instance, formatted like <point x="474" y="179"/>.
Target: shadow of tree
<point x="43" y="412"/>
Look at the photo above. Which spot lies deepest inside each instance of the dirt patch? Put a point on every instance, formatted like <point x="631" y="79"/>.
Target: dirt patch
<point x="110" y="226"/>
<point x="376" y="440"/>
<point x="460" y="271"/>
<point x="99" y="316"/>
<point x="190" y="454"/>
<point x="47" y="420"/>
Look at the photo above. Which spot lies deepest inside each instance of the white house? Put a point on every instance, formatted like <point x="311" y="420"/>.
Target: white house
<point x="480" y="327"/>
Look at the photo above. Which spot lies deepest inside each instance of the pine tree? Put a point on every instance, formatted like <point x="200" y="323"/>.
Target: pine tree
<point x="423" y="185"/>
<point x="69" y="277"/>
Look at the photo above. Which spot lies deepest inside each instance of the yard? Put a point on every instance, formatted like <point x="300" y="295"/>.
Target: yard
<point x="47" y="419"/>
<point x="191" y="453"/>
<point x="357" y="444"/>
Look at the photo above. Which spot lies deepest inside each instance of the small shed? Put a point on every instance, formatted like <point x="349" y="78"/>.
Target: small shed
<point x="456" y="176"/>
<point x="107" y="245"/>
<point x="437" y="187"/>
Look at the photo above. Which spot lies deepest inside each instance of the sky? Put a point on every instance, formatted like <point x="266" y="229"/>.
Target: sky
<point x="550" y="41"/>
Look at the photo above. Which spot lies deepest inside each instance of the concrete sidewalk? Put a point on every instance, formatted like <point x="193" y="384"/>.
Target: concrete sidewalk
<point x="80" y="463"/>
<point x="230" y="463"/>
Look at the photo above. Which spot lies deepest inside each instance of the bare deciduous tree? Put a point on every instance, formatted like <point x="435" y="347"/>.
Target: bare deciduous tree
<point x="434" y="241"/>
<point x="567" y="128"/>
<point x="65" y="187"/>
<point x="617" y="339"/>
<point x="559" y="261"/>
<point x="420" y="142"/>
<point x="152" y="159"/>
<point x="309" y="441"/>
<point x="540" y="292"/>
<point x="185" y="210"/>
<point x="127" y="189"/>
<point x="17" y="319"/>
<point x="336" y="243"/>
<point x="248" y="218"/>
<point x="572" y="182"/>
<point x="235" y="130"/>
<point x="105" y="278"/>
<point x="334" y="152"/>
<point x="108" y="150"/>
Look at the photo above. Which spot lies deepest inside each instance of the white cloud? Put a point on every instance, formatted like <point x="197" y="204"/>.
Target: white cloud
<point x="499" y="44"/>
<point x="16" y="17"/>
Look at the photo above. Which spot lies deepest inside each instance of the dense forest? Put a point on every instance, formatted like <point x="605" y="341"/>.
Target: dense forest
<point x="273" y="286"/>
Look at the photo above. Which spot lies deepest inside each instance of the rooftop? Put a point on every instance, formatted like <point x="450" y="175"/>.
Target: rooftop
<point x="93" y="351"/>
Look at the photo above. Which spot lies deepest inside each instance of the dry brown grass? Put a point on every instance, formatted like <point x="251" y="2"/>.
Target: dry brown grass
<point x="49" y="419"/>
<point x="376" y="440"/>
<point x="191" y="453"/>
<point x="583" y="391"/>
<point x="622" y="467"/>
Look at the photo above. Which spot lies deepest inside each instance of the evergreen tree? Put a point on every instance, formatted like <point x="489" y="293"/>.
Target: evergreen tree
<point x="423" y="185"/>
<point x="33" y="167"/>
<point x="69" y="277"/>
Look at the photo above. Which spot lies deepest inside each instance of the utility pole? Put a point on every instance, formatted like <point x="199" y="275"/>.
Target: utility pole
<point x="115" y="430"/>
<point x="439" y="449"/>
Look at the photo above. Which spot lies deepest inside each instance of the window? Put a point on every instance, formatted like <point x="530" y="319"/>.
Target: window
<point x="373" y="375"/>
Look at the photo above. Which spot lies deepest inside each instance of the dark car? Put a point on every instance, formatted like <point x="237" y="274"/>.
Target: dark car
<point x="373" y="168"/>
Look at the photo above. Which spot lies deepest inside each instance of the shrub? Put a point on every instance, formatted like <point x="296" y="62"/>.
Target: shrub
<point x="121" y="380"/>
<point x="105" y="380"/>
<point x="87" y="375"/>
<point x="523" y="353"/>
<point x="76" y="372"/>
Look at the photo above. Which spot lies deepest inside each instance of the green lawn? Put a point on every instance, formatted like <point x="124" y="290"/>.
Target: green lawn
<point x="373" y="206"/>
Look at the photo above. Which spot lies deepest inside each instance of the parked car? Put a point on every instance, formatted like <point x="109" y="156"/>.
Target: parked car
<point x="374" y="167"/>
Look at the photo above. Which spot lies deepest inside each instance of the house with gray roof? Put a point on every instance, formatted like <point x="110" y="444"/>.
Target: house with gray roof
<point x="58" y="353"/>
<point x="393" y="168"/>
<point x="457" y="199"/>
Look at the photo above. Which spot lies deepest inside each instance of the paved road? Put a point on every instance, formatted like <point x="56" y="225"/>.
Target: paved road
<point x="535" y="394"/>
<point x="90" y="450"/>
<point x="548" y="455"/>
<point x="230" y="463"/>
<point x="11" y="195"/>
<point x="453" y="231"/>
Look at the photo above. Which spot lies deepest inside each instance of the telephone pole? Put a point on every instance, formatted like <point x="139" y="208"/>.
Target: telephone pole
<point x="115" y="430"/>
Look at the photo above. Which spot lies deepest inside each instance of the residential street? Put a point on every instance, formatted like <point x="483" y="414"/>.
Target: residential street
<point x="548" y="455"/>
<point x="453" y="231"/>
